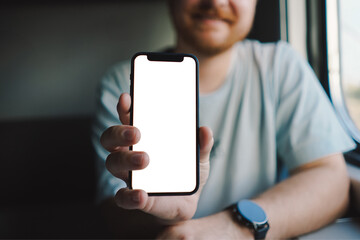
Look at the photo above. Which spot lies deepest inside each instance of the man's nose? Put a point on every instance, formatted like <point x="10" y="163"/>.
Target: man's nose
<point x="215" y="3"/>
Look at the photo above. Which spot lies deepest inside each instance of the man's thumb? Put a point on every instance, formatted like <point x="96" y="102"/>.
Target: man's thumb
<point x="206" y="142"/>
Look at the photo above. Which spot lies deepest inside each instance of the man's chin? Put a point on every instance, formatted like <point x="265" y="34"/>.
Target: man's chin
<point x="208" y="48"/>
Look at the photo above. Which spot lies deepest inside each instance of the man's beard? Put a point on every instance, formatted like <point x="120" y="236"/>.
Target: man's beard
<point x="206" y="47"/>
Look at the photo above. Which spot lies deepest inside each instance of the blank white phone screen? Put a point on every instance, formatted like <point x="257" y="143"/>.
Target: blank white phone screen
<point x="164" y="110"/>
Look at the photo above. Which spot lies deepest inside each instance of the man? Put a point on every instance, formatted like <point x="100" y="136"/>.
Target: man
<point x="262" y="102"/>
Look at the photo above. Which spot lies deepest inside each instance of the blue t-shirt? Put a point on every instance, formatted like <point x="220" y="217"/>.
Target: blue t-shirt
<point x="271" y="107"/>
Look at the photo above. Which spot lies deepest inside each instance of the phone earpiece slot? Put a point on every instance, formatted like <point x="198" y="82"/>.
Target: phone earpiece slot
<point x="165" y="57"/>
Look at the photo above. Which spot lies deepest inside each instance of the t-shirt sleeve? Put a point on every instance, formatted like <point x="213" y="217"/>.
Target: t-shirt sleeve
<point x="115" y="82"/>
<point x="306" y="124"/>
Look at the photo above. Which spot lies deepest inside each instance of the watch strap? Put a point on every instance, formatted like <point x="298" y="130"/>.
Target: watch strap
<point x="260" y="233"/>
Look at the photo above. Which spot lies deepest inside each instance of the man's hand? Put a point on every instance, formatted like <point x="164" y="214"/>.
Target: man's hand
<point x="120" y="161"/>
<point x="218" y="226"/>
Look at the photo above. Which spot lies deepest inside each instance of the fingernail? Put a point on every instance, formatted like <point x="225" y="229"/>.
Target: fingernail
<point x="128" y="134"/>
<point x="137" y="159"/>
<point x="135" y="198"/>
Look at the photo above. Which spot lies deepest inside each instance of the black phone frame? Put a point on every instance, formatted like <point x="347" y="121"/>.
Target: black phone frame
<point x="174" y="57"/>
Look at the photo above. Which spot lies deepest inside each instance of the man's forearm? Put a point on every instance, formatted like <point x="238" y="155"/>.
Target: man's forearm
<point x="312" y="197"/>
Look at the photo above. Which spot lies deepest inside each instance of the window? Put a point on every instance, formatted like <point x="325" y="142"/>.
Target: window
<point x="327" y="32"/>
<point x="343" y="50"/>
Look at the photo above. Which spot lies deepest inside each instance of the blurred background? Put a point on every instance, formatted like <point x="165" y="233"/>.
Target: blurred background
<point x="53" y="53"/>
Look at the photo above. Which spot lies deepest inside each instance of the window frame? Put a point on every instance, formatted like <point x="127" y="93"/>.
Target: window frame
<point x="328" y="70"/>
<point x="335" y="69"/>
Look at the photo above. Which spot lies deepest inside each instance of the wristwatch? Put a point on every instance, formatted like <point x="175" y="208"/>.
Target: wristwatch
<point x="251" y="215"/>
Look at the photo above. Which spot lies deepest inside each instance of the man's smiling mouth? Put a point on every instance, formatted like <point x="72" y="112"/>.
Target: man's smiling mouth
<point x="211" y="17"/>
<point x="207" y="17"/>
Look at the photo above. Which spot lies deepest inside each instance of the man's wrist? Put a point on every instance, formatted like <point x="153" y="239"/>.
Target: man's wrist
<point x="241" y="232"/>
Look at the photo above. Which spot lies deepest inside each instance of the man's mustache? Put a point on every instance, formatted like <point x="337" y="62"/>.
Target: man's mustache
<point x="224" y="14"/>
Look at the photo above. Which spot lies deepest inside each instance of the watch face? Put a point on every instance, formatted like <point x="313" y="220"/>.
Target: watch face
<point x="252" y="212"/>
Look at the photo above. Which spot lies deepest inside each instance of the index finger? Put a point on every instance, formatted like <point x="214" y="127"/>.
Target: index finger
<point x="123" y="108"/>
<point x="116" y="137"/>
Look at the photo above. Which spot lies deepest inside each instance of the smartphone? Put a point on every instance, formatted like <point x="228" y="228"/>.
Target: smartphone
<point x="164" y="94"/>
